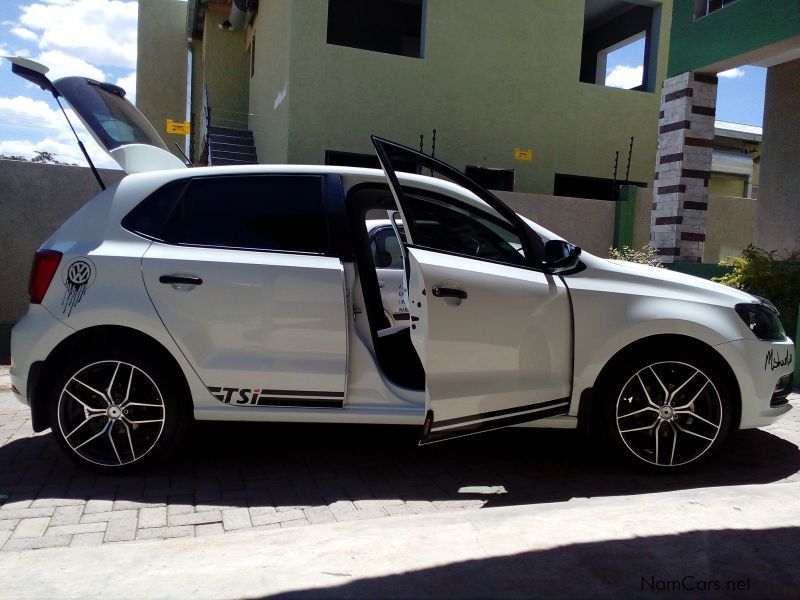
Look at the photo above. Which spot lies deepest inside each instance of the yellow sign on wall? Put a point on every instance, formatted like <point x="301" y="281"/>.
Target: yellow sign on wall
<point x="183" y="128"/>
<point x="523" y="154"/>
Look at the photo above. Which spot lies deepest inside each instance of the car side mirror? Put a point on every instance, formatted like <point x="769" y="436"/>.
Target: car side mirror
<point x="561" y="256"/>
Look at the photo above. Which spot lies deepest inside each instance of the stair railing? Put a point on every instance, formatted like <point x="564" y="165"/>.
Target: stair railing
<point x="205" y="127"/>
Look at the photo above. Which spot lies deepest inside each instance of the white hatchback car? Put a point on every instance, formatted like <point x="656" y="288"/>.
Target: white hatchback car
<point x="252" y="294"/>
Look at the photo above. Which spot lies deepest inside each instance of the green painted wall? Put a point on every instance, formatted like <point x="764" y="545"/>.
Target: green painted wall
<point x="270" y="96"/>
<point x="226" y="72"/>
<point x="491" y="81"/>
<point x="161" y="66"/>
<point x="740" y="27"/>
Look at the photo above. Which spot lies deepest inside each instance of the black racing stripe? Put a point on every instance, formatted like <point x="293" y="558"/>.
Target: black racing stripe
<point x="301" y="393"/>
<point x="438" y="436"/>
<point x="497" y="413"/>
<point x="298" y="402"/>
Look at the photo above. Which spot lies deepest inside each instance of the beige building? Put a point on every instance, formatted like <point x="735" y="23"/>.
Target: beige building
<point x="515" y="90"/>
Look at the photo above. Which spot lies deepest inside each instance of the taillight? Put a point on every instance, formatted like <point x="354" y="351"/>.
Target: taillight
<point x="45" y="265"/>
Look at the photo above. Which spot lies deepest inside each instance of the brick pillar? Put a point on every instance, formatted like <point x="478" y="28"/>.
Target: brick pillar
<point x="683" y="166"/>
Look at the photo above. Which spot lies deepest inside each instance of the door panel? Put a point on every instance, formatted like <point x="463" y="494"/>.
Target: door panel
<point x="501" y="353"/>
<point x="493" y="330"/>
<point x="268" y="322"/>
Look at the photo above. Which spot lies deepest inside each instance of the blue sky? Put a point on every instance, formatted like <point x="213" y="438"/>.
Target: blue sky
<point x="740" y="94"/>
<point x="97" y="38"/>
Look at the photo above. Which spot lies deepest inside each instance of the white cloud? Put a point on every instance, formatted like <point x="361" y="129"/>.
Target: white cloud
<point x="64" y="65"/>
<point x="49" y="132"/>
<point x="25" y="34"/>
<point x="625" y="77"/>
<point x="732" y="73"/>
<point x="99" y="32"/>
<point x="128" y="83"/>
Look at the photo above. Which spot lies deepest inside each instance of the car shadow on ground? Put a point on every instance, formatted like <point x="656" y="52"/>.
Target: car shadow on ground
<point x="715" y="564"/>
<point x="247" y="464"/>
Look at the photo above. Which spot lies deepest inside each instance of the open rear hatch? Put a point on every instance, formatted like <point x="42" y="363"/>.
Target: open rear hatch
<point x="116" y="125"/>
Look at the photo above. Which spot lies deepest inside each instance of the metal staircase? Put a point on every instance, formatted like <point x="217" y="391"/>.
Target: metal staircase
<point x="227" y="146"/>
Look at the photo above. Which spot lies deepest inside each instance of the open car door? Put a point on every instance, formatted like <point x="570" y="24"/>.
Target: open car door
<point x="492" y="328"/>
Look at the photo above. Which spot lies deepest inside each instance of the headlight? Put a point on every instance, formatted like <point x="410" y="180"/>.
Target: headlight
<point x="763" y="320"/>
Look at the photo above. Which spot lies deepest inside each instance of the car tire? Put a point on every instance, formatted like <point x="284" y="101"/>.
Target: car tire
<point x="666" y="409"/>
<point x="117" y="410"/>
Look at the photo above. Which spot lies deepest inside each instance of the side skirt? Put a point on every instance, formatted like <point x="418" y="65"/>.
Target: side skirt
<point x="480" y="423"/>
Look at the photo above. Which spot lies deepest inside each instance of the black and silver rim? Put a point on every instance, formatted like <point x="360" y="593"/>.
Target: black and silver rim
<point x="111" y="413"/>
<point x="669" y="414"/>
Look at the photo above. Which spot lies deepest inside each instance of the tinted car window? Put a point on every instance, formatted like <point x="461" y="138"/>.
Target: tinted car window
<point x="261" y="213"/>
<point x="463" y="230"/>
<point x="151" y="214"/>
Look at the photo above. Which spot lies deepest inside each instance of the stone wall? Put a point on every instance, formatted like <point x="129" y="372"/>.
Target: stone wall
<point x="35" y="199"/>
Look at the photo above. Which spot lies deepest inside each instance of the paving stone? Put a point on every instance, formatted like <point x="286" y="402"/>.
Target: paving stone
<point x="209" y="529"/>
<point x="48" y="502"/>
<point x="278" y="517"/>
<point x="8" y="524"/>
<point x="109" y="516"/>
<point x="236" y="518"/>
<point x="121" y="529"/>
<point x="198" y="518"/>
<point x="163" y="533"/>
<point x="87" y="539"/>
<point x="153" y="517"/>
<point x="318" y="514"/>
<point x="67" y="515"/>
<point x="49" y="541"/>
<point x="26" y="513"/>
<point x="28" y="528"/>
<point x="98" y="506"/>
<point x="294" y="523"/>
<point x="76" y="529"/>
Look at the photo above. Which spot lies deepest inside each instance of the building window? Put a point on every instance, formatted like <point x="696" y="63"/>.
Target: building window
<point x="491" y="178"/>
<point x="619" y="46"/>
<point x="706" y="7"/>
<point x="390" y="26"/>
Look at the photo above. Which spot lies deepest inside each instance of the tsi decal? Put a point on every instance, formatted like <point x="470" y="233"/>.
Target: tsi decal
<point x="268" y="397"/>
<point x="78" y="276"/>
<point x="774" y="360"/>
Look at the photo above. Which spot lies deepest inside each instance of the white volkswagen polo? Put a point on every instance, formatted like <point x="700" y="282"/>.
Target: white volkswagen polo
<point x="252" y="294"/>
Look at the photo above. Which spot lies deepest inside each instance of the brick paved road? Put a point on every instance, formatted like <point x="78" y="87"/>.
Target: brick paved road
<point x="233" y="477"/>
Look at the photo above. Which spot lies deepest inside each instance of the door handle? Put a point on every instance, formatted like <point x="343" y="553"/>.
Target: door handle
<point x="180" y="280"/>
<point x="445" y="292"/>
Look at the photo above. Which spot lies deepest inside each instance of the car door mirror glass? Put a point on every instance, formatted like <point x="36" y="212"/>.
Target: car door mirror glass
<point x="561" y="255"/>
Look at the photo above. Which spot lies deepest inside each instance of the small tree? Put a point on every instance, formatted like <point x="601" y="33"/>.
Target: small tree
<point x="644" y="255"/>
<point x="41" y="156"/>
<point x="768" y="274"/>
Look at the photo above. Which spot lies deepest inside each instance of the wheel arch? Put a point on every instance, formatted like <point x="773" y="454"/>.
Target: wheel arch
<point x="43" y="373"/>
<point x="671" y="340"/>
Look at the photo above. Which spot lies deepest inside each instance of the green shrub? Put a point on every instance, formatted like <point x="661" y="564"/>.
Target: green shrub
<point x="765" y="273"/>
<point x="644" y="255"/>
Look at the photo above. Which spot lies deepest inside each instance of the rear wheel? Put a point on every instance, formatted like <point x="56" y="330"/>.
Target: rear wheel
<point x="116" y="410"/>
<point x="668" y="410"/>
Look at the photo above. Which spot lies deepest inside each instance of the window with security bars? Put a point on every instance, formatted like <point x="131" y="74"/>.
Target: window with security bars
<point x="706" y="7"/>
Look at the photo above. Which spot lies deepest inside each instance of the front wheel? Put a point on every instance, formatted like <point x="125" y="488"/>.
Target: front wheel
<point x="667" y="410"/>
<point x="115" y="410"/>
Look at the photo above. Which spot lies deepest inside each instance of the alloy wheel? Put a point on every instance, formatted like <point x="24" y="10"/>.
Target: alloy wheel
<point x="111" y="413"/>
<point x="669" y="413"/>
